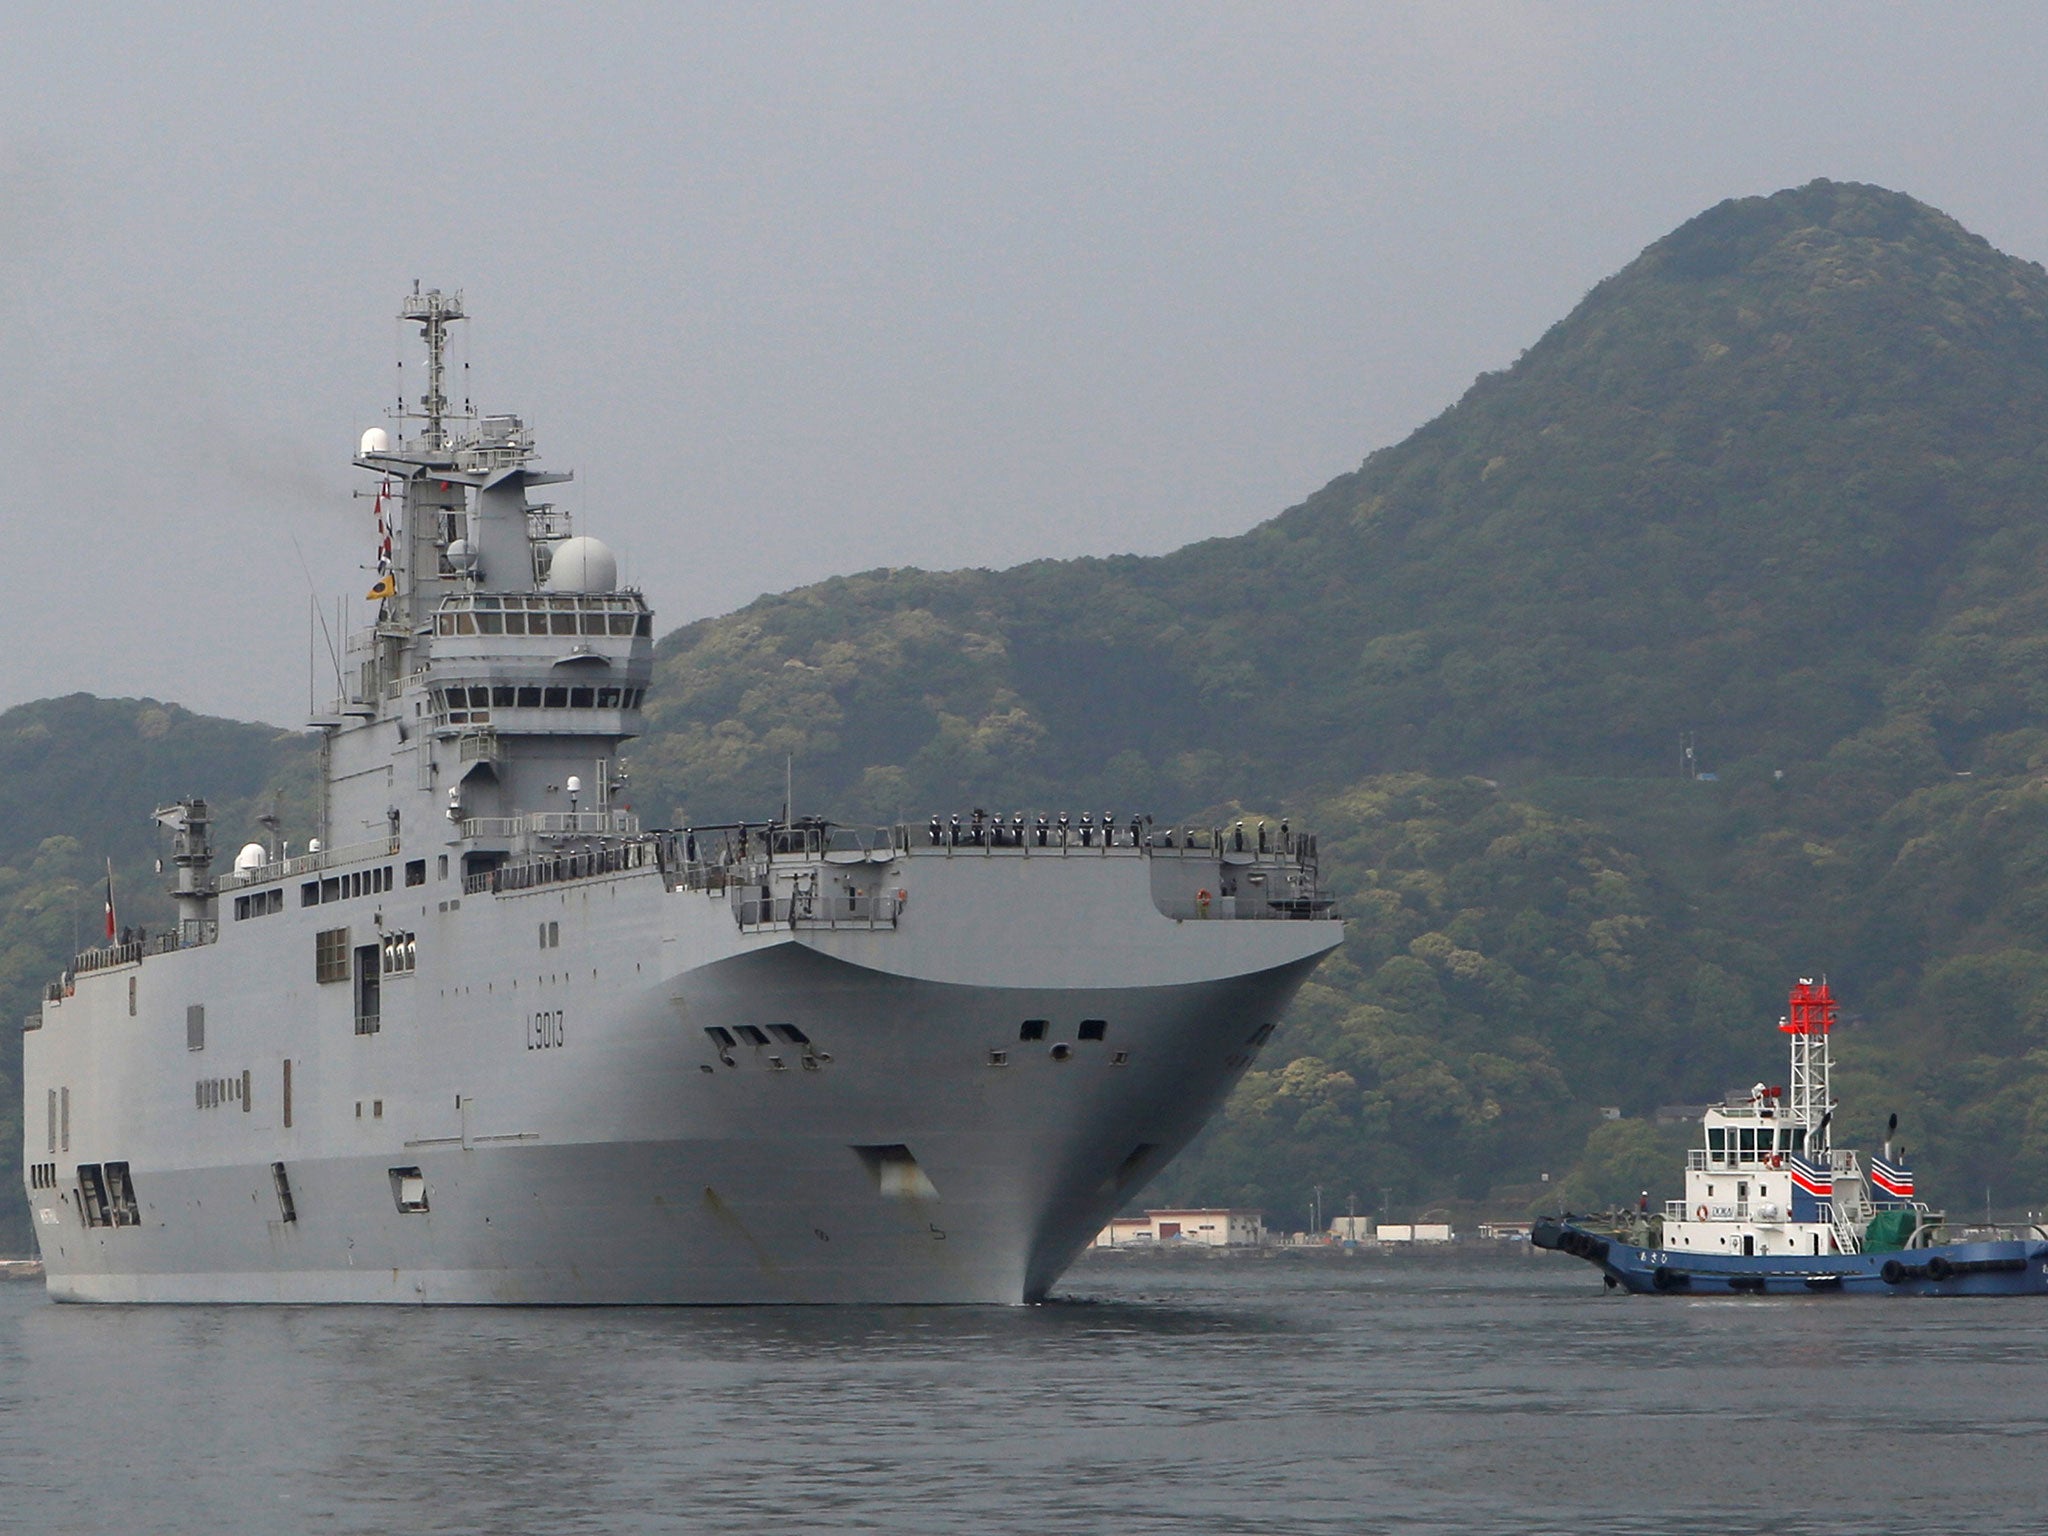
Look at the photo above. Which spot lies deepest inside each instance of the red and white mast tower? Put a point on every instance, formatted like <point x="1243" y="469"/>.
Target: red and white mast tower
<point x="1810" y="1020"/>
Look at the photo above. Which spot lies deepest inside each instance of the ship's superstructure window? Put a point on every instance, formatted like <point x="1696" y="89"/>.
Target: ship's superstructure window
<point x="752" y="1034"/>
<point x="620" y="614"/>
<point x="416" y="872"/>
<point x="551" y="935"/>
<point x="131" y="997"/>
<point x="1094" y="1029"/>
<point x="1032" y="1029"/>
<point x="53" y="1122"/>
<point x="64" y="1119"/>
<point x="357" y="882"/>
<point x="259" y="904"/>
<point x="472" y="704"/>
<point x="789" y="1033"/>
<point x="330" y="955"/>
<point x="195" y="1027"/>
<point x="400" y="953"/>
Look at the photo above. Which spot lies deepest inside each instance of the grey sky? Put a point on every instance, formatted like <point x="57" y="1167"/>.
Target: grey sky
<point x="798" y="291"/>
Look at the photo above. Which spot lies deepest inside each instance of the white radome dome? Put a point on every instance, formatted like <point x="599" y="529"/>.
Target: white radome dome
<point x="583" y="565"/>
<point x="376" y="440"/>
<point x="252" y="856"/>
<point x="462" y="555"/>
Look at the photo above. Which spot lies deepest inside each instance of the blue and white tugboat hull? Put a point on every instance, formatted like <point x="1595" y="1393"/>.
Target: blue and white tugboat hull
<point x="2002" y="1267"/>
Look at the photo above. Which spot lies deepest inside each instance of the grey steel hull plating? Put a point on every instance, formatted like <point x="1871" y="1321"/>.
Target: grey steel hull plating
<point x="637" y="1161"/>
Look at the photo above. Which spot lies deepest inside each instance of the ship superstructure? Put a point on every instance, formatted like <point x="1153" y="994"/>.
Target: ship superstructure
<point x="488" y="1039"/>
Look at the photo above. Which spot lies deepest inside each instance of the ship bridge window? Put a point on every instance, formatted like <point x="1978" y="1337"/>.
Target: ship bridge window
<point x="490" y="623"/>
<point x="1717" y="1142"/>
<point x="1747" y="1143"/>
<point x="790" y="1033"/>
<point x="607" y="698"/>
<point x="582" y="698"/>
<point x="752" y="1034"/>
<point x="501" y="697"/>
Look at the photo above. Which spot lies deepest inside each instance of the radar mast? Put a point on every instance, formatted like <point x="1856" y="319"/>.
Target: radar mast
<point x="433" y="310"/>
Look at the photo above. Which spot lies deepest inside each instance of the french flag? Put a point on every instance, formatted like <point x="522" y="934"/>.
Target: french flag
<point x="1895" y="1179"/>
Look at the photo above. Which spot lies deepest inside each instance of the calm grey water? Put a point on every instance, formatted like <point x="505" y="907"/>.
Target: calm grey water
<point x="1299" y="1394"/>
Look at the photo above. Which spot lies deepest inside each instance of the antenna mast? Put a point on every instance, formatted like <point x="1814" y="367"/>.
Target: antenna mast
<point x="1809" y="1021"/>
<point x="433" y="310"/>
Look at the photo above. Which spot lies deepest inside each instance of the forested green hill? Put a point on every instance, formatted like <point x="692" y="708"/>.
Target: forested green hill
<point x="1780" y="482"/>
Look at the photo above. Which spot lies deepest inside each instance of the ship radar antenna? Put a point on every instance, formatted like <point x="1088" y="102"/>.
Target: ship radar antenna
<point x="433" y="310"/>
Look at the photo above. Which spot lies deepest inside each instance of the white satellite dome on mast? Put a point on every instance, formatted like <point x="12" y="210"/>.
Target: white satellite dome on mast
<point x="376" y="440"/>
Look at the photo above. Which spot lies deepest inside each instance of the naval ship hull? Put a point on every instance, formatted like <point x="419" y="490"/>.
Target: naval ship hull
<point x="561" y="1124"/>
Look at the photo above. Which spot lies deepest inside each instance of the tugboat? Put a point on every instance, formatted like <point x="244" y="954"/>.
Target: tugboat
<point x="1772" y="1208"/>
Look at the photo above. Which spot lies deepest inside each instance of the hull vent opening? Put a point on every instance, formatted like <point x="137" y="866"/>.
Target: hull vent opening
<point x="121" y="1202"/>
<point x="408" y="1190"/>
<point x="896" y="1173"/>
<point x="287" y="1208"/>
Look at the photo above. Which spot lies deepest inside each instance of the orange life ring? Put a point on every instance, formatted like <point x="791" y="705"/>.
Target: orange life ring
<point x="1702" y="1213"/>
<point x="901" y="897"/>
<point x="1777" y="1159"/>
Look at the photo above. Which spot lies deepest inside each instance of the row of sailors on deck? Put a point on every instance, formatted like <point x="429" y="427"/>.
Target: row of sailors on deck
<point x="981" y="830"/>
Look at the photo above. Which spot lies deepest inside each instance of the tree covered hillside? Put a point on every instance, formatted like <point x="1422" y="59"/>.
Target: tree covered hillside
<point x="1780" y="483"/>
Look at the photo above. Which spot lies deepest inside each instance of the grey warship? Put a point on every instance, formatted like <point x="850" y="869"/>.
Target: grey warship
<point x="489" y="1041"/>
